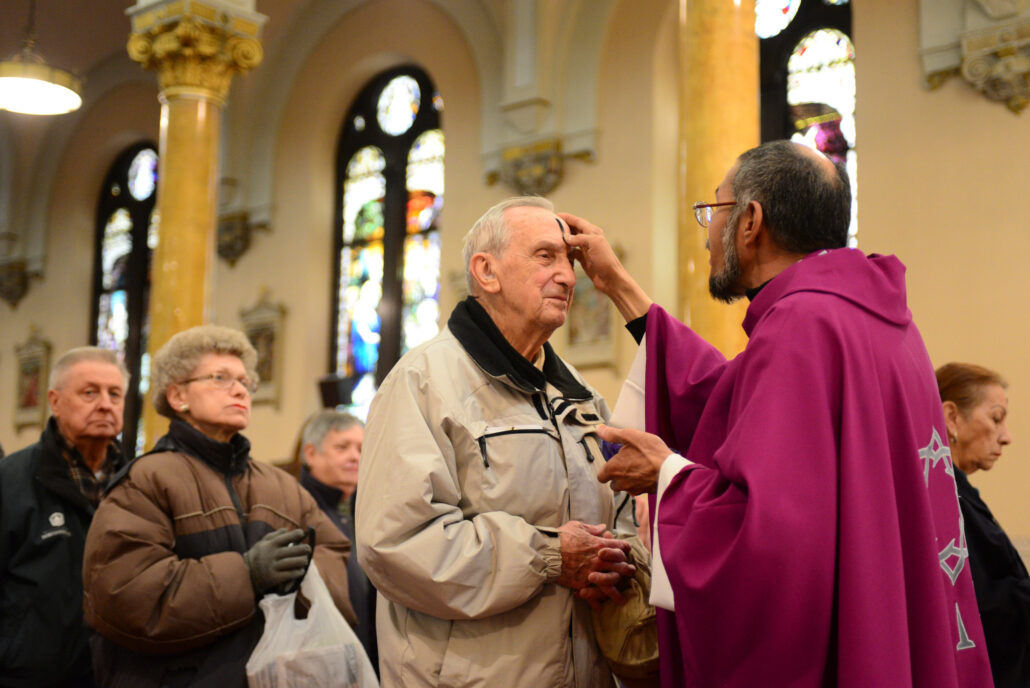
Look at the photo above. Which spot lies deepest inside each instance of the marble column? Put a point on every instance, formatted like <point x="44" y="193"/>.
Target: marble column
<point x="719" y="120"/>
<point x="195" y="47"/>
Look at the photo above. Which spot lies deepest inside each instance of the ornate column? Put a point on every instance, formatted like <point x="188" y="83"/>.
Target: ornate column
<point x="195" y="47"/>
<point x="719" y="120"/>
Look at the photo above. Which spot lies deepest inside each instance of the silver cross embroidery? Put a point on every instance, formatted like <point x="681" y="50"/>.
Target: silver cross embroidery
<point x="935" y="451"/>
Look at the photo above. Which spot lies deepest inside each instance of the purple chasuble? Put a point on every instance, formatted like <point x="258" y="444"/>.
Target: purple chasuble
<point x="817" y="540"/>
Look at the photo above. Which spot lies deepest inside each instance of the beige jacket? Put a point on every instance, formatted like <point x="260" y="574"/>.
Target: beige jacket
<point x="470" y="463"/>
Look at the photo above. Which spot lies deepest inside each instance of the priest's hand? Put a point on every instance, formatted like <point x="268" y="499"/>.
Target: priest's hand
<point x="635" y="468"/>
<point x="591" y="556"/>
<point x="588" y="245"/>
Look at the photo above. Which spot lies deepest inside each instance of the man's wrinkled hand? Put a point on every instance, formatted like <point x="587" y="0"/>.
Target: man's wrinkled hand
<point x="634" y="469"/>
<point x="592" y="557"/>
<point x="608" y="584"/>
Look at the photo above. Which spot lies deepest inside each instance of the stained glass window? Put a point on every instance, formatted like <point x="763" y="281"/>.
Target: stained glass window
<point x="143" y="174"/>
<point x="808" y="86"/>
<point x="821" y="96"/>
<point x="126" y="237"/>
<point x="387" y="280"/>
<point x="398" y="105"/>
<point x="772" y="16"/>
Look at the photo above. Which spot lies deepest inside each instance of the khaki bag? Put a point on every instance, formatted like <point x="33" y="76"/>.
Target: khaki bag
<point x="627" y="634"/>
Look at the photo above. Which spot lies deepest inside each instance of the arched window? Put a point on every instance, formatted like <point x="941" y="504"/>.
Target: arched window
<point x="125" y="239"/>
<point x="808" y="79"/>
<point x="386" y="282"/>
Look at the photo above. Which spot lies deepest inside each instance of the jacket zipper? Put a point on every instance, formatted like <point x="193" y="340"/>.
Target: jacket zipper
<point x="236" y="501"/>
<point x="523" y="431"/>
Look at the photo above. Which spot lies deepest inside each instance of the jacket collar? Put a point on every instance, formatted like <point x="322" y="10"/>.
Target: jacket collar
<point x="472" y="326"/>
<point x="53" y="472"/>
<point x="323" y="494"/>
<point x="230" y="458"/>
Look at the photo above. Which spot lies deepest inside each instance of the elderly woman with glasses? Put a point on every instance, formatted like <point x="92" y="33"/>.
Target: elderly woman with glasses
<point x="194" y="533"/>
<point x="975" y="410"/>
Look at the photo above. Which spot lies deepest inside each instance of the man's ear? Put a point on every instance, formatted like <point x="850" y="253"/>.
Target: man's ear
<point x="751" y="223"/>
<point x="52" y="396"/>
<point x="307" y="452"/>
<point x="483" y="269"/>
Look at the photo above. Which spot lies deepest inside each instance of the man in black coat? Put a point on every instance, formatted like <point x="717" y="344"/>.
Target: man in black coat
<point x="331" y="452"/>
<point x="48" y="494"/>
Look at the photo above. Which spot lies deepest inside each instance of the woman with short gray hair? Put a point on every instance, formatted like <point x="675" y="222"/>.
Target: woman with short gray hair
<point x="194" y="533"/>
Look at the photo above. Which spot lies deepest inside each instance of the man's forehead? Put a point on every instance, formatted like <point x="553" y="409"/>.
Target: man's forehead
<point x="726" y="185"/>
<point x="95" y="371"/>
<point x="533" y="224"/>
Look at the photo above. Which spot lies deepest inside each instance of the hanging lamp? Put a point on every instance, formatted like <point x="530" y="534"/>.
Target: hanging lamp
<point x="30" y="86"/>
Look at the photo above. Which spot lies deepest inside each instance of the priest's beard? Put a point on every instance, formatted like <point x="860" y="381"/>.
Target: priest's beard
<point x="722" y="285"/>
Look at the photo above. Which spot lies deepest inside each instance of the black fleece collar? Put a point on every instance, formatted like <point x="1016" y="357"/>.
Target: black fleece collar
<point x="475" y="330"/>
<point x="229" y="457"/>
<point x="324" y="494"/>
<point x="53" y="470"/>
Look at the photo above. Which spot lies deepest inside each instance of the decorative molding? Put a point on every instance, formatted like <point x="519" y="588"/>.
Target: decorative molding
<point x="263" y="325"/>
<point x="195" y="46"/>
<point x="535" y="169"/>
<point x="30" y="392"/>
<point x="14" y="281"/>
<point x="234" y="232"/>
<point x="1002" y="9"/>
<point x="986" y="41"/>
<point x="996" y="62"/>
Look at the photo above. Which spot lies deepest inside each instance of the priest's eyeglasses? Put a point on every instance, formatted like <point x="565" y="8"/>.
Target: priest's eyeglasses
<point x="703" y="211"/>
<point x="225" y="381"/>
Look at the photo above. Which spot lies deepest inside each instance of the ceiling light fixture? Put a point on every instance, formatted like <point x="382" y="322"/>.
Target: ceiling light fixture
<point x="29" y="85"/>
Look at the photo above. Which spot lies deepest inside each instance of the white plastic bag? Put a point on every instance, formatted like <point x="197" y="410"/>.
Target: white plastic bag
<point x="320" y="651"/>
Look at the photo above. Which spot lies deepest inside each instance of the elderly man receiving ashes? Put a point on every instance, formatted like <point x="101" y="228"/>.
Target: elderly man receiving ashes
<point x="807" y="522"/>
<point x="480" y="515"/>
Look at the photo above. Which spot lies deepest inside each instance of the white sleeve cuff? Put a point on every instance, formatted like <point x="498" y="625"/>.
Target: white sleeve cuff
<point x="661" y="589"/>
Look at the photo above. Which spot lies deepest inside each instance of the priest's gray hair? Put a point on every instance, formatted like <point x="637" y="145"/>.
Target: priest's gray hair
<point x="178" y="358"/>
<point x="490" y="234"/>
<point x="806" y="208"/>
<point x="324" y="422"/>
<point x="84" y="353"/>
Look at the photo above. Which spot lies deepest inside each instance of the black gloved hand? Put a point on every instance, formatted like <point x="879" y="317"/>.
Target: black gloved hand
<point x="277" y="559"/>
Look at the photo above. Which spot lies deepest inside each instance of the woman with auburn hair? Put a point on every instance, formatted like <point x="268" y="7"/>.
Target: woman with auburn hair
<point x="975" y="409"/>
<point x="193" y="534"/>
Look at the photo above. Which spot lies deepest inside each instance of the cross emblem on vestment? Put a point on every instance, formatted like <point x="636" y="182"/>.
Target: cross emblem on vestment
<point x="935" y="451"/>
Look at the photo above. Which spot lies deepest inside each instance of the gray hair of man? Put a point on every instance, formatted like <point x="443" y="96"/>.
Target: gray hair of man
<point x="806" y="208"/>
<point x="491" y="233"/>
<point x="178" y="358"/>
<point x="84" y="353"/>
<point x="324" y="422"/>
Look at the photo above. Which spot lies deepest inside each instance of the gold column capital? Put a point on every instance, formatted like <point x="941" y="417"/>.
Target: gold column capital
<point x="195" y="47"/>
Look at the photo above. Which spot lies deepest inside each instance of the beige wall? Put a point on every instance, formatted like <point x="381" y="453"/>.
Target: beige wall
<point x="60" y="304"/>
<point x="942" y="183"/>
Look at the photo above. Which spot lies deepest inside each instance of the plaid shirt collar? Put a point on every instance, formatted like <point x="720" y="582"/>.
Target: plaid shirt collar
<point x="90" y="484"/>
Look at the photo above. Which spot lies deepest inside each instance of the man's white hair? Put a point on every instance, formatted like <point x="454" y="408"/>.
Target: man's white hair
<point x="490" y="234"/>
<point x="80" y="354"/>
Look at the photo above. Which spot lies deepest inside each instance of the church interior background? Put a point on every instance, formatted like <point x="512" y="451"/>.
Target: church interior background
<point x="282" y="166"/>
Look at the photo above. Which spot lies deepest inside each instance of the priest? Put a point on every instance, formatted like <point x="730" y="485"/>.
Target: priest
<point x="806" y="529"/>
